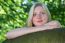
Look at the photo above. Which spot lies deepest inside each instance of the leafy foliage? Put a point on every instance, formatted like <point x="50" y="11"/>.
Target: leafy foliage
<point x="12" y="16"/>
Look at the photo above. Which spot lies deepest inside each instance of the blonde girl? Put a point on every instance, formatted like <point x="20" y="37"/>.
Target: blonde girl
<point x="39" y="20"/>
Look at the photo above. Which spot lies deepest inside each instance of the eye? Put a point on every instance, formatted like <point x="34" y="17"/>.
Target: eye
<point x="43" y="13"/>
<point x="34" y="14"/>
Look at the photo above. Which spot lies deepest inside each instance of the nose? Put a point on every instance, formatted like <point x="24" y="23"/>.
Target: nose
<point x="38" y="16"/>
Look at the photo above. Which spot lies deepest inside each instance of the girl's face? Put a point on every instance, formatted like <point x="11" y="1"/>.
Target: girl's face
<point x="40" y="17"/>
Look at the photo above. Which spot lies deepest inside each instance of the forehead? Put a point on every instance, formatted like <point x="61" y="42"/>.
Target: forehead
<point x="39" y="8"/>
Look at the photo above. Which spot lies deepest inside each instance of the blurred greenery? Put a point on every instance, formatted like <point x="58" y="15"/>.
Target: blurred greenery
<point x="14" y="13"/>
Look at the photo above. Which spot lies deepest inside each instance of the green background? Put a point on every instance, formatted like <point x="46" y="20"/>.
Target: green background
<point x="14" y="13"/>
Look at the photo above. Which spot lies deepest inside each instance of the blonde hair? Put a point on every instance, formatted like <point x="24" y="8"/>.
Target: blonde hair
<point x="29" y="21"/>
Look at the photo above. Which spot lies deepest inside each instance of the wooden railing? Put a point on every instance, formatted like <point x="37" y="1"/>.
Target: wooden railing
<point x="47" y="36"/>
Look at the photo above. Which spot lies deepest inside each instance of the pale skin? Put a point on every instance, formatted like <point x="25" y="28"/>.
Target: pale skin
<point x="40" y="19"/>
